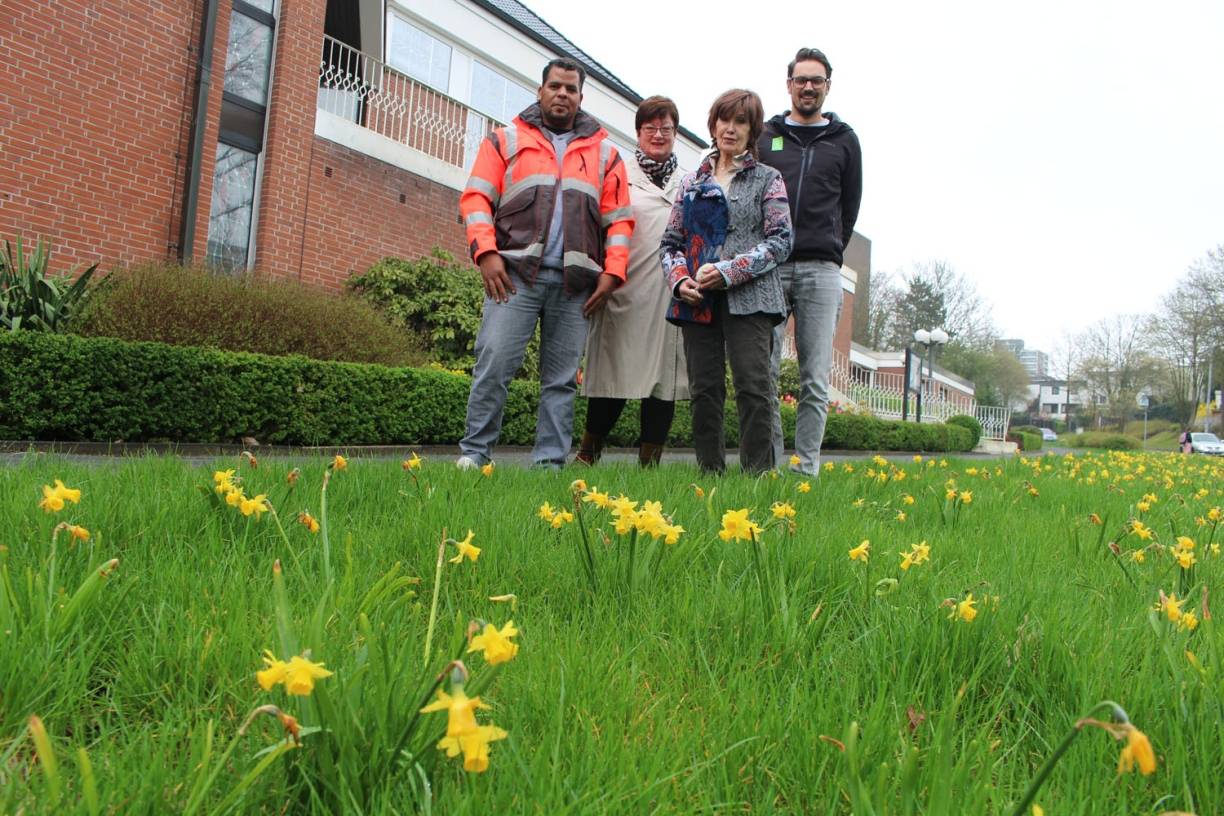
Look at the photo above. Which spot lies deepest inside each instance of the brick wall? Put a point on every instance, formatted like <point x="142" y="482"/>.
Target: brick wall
<point x="95" y="108"/>
<point x="361" y="210"/>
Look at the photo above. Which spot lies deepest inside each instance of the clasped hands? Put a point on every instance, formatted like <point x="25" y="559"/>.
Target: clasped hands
<point x="691" y="290"/>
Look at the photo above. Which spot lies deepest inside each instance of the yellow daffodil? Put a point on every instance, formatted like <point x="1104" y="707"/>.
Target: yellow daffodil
<point x="1137" y="556"/>
<point x="671" y="533"/>
<point x="235" y="497"/>
<point x="78" y="533"/>
<point x="339" y="462"/>
<point x="223" y="481"/>
<point x="298" y="674"/>
<point x="487" y="470"/>
<point x="1141" y="530"/>
<point x="965" y="610"/>
<point x="54" y="497"/>
<point x="861" y="552"/>
<point x="795" y="460"/>
<point x="828" y="466"/>
<point x="466" y="550"/>
<point x="561" y="518"/>
<point x="474" y="745"/>
<point x="950" y="495"/>
<point x="1038" y="810"/>
<point x="413" y="463"/>
<point x="805" y="487"/>
<point x="918" y="458"/>
<point x="1143" y="506"/>
<point x="1214" y="514"/>
<point x="1138" y="751"/>
<point x="1171" y="607"/>
<point x="901" y="515"/>
<point x="545" y="512"/>
<point x="966" y="497"/>
<point x="907" y="498"/>
<point x="292" y="476"/>
<point x="1184" y="543"/>
<point x="858" y="503"/>
<point x="1188" y="621"/>
<point x="782" y="510"/>
<point x="598" y="499"/>
<point x="698" y="492"/>
<point x="257" y="505"/>
<point x="495" y="643"/>
<point x="847" y="468"/>
<point x="1095" y="519"/>
<point x="578" y="486"/>
<point x="919" y="554"/>
<point x="1185" y="558"/>
<point x="308" y="521"/>
<point x="460" y="711"/>
<point x="736" y="525"/>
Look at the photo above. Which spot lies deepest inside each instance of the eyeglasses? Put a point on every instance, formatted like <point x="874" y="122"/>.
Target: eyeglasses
<point x="666" y="130"/>
<point x="814" y="81"/>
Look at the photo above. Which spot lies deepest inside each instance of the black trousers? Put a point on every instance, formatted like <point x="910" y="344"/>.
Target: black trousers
<point x="656" y="417"/>
<point x="747" y="342"/>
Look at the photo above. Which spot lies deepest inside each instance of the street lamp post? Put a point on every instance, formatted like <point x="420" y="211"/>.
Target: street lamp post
<point x="931" y="339"/>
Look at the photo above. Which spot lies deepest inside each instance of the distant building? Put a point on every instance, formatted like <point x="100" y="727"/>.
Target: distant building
<point x="1036" y="363"/>
<point x="1050" y="397"/>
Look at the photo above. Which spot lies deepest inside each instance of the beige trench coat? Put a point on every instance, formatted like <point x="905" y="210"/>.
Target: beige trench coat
<point x="632" y="351"/>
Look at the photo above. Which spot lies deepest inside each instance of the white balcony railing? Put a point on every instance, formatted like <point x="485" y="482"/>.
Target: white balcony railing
<point x="361" y="89"/>
<point x="883" y="394"/>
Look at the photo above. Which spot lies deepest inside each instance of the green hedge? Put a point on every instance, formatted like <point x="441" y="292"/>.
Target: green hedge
<point x="1101" y="439"/>
<point x="1027" y="441"/>
<point x="69" y="388"/>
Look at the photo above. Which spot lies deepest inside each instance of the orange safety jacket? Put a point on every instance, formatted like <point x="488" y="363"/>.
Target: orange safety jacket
<point x="507" y="204"/>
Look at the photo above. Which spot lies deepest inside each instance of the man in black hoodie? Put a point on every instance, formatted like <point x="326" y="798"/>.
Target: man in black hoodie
<point x="821" y="162"/>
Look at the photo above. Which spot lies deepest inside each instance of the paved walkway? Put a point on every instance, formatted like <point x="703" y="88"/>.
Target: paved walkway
<point x="14" y="452"/>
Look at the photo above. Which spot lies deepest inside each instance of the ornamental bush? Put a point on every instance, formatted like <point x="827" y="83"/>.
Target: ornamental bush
<point x="70" y="388"/>
<point x="193" y="306"/>
<point x="966" y="421"/>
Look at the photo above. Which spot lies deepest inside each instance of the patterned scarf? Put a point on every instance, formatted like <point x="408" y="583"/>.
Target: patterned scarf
<point x="659" y="172"/>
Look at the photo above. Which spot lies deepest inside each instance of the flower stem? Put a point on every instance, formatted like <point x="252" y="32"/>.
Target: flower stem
<point x="589" y="558"/>
<point x="327" y="567"/>
<point x="1040" y="778"/>
<point x="433" y="606"/>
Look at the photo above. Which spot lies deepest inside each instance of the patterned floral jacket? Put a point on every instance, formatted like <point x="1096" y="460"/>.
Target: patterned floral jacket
<point x="758" y="236"/>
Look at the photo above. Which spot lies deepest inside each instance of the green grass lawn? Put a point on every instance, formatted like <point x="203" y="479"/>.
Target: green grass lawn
<point x="704" y="676"/>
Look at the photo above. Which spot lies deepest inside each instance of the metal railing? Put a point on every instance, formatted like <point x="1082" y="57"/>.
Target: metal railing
<point x="883" y="394"/>
<point x="357" y="87"/>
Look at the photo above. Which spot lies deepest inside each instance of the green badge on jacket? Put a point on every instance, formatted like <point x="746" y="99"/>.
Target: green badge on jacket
<point x="776" y="145"/>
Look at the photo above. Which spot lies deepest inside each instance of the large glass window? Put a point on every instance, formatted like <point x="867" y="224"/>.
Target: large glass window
<point x="233" y="204"/>
<point x="417" y="54"/>
<point x="244" y="111"/>
<point x="494" y="94"/>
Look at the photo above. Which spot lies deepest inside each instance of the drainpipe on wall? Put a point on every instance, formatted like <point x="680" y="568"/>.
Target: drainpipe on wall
<point x="191" y="194"/>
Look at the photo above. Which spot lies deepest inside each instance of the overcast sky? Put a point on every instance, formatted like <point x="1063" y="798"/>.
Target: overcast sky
<point x="1067" y="157"/>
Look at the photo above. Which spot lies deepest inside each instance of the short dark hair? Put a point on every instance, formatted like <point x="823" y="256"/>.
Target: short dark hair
<point x="565" y="65"/>
<point x="652" y="108"/>
<point x="806" y="55"/>
<point x="732" y="103"/>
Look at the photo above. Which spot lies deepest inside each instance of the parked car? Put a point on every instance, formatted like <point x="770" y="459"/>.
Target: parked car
<point x="1048" y="435"/>
<point x="1207" y="443"/>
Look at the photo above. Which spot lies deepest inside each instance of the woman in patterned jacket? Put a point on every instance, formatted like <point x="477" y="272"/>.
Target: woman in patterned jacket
<point x="728" y="231"/>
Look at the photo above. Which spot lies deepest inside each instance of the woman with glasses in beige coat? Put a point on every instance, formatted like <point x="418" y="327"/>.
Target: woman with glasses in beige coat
<point x="632" y="352"/>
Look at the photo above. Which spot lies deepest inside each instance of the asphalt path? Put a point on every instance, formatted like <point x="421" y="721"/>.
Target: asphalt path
<point x="14" y="453"/>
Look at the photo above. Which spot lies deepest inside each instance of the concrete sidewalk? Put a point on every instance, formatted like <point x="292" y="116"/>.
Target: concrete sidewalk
<point x="14" y="452"/>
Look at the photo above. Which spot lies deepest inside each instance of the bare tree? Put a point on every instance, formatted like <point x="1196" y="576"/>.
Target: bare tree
<point x="935" y="295"/>
<point x="883" y="299"/>
<point x="1064" y="363"/>
<point x="1116" y="364"/>
<point x="1185" y="333"/>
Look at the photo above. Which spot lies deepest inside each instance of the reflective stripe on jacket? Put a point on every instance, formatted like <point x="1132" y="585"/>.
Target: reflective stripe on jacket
<point x="508" y="202"/>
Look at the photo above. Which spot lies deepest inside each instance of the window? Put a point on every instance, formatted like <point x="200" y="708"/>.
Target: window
<point x="494" y="94"/>
<point x="244" y="111"/>
<point x="417" y="54"/>
<point x="1053" y="389"/>
<point x="233" y="204"/>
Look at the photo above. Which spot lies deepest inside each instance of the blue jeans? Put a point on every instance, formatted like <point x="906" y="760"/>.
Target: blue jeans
<point x="505" y="331"/>
<point x="813" y="291"/>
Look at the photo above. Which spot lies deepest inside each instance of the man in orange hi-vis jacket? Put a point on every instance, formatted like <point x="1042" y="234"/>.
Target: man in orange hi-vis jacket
<point x="548" y="221"/>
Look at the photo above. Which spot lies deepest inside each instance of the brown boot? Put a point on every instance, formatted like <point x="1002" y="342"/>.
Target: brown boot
<point x="649" y="454"/>
<point x="590" y="449"/>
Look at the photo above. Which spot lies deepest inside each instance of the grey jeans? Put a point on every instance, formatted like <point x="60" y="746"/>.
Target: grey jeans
<point x="746" y="340"/>
<point x="505" y="331"/>
<point x="813" y="292"/>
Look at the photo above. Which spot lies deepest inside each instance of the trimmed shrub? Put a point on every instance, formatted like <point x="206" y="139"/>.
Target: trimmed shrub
<point x="966" y="421"/>
<point x="188" y="306"/>
<point x="1027" y="441"/>
<point x="440" y="300"/>
<point x="64" y="387"/>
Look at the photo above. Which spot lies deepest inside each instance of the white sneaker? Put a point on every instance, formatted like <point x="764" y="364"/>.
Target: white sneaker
<point x="466" y="463"/>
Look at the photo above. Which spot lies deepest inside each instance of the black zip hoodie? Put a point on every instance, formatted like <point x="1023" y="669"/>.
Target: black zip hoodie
<point x="823" y="171"/>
